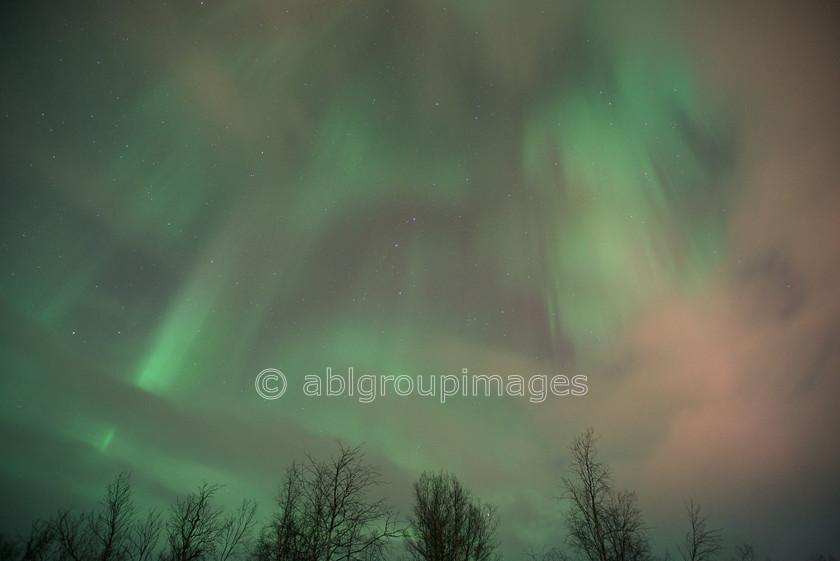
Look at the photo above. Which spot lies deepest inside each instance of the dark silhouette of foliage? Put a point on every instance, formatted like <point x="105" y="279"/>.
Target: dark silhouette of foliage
<point x="447" y="524"/>
<point x="195" y="531"/>
<point x="745" y="552"/>
<point x="198" y="530"/>
<point x="553" y="554"/>
<point x="701" y="542"/>
<point x="37" y="546"/>
<point x="324" y="513"/>
<point x="9" y="549"/>
<point x="109" y="533"/>
<point x="604" y="523"/>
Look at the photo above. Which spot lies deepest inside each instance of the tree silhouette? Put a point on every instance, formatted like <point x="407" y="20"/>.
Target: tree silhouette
<point x="107" y="534"/>
<point x="745" y="552"/>
<point x="198" y="530"/>
<point x="605" y="524"/>
<point x="545" y="554"/>
<point x="144" y="536"/>
<point x="324" y="513"/>
<point x="447" y="524"/>
<point x="38" y="545"/>
<point x="701" y="542"/>
<point x="195" y="530"/>
<point x="9" y="549"/>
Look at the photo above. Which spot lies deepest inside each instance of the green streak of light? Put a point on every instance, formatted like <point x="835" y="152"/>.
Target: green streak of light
<point x="107" y="440"/>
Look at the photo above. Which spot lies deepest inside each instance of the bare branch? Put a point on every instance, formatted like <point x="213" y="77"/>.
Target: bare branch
<point x="553" y="554"/>
<point x="447" y="523"/>
<point x="701" y="542"/>
<point x="745" y="552"/>
<point x="324" y="512"/>
<point x="194" y="526"/>
<point x="144" y="537"/>
<point x="604" y="524"/>
<point x="237" y="529"/>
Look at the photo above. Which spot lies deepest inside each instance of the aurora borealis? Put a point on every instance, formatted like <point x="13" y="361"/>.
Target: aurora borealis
<point x="645" y="196"/>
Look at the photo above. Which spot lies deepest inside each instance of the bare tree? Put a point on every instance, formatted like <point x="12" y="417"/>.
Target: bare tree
<point x="39" y="544"/>
<point x="109" y="533"/>
<point x="324" y="513"/>
<point x="701" y="542"/>
<point x="236" y="530"/>
<point x="625" y="528"/>
<point x="604" y="524"/>
<point x="282" y="539"/>
<point x="196" y="530"/>
<point x="9" y="549"/>
<point x="745" y="552"/>
<point x="447" y="524"/>
<point x="144" y="537"/>
<point x="553" y="554"/>
<point x="111" y="526"/>
<point x="71" y="537"/>
<point x="199" y="530"/>
<point x="101" y="535"/>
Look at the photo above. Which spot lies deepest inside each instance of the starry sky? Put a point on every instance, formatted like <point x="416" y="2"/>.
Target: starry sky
<point x="642" y="196"/>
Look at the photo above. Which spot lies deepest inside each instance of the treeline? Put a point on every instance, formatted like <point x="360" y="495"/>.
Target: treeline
<point x="325" y="511"/>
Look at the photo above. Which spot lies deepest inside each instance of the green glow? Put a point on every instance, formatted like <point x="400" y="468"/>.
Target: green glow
<point x="621" y="166"/>
<point x="107" y="440"/>
<point x="177" y="336"/>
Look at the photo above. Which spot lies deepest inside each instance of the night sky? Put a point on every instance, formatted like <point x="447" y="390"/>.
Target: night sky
<point x="645" y="197"/>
